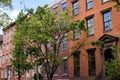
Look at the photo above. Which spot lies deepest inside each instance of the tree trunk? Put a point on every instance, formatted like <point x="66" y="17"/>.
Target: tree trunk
<point x="49" y="77"/>
<point x="19" y="76"/>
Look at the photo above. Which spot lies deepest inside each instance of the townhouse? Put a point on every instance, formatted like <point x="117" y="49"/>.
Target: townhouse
<point x="102" y="22"/>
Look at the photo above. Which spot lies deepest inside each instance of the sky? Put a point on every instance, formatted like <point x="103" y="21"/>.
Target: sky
<point x="18" y="5"/>
<point x="22" y="4"/>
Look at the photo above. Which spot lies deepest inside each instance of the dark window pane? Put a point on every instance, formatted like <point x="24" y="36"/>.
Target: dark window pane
<point x="91" y="62"/>
<point x="75" y="8"/>
<point x="55" y="10"/>
<point x="90" y="26"/>
<point x="77" y="64"/>
<point x="107" y="21"/>
<point x="64" y="42"/>
<point x="75" y="34"/>
<point x="64" y="6"/>
<point x="64" y="67"/>
<point x="89" y="4"/>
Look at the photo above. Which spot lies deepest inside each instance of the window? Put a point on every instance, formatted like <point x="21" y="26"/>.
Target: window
<point x="48" y="46"/>
<point x="2" y="73"/>
<point x="4" y="36"/>
<point x="55" y="73"/>
<point x="64" y="6"/>
<point x="10" y="55"/>
<point x="33" y="73"/>
<point x="75" y="34"/>
<point x="91" y="62"/>
<point x="55" y="10"/>
<point x="64" y="67"/>
<point x="90" y="26"/>
<point x="5" y="73"/>
<point x="2" y="59"/>
<point x="76" y="64"/>
<point x="89" y="4"/>
<point x="107" y="21"/>
<point x="75" y="7"/>
<point x="104" y="1"/>
<point x="11" y="45"/>
<point x="6" y="59"/>
<point x="27" y="75"/>
<point x="64" y="42"/>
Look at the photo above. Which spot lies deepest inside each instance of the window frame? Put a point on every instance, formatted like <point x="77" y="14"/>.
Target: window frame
<point x="64" y="6"/>
<point x="91" y="26"/>
<point x="64" y="67"/>
<point x="75" y="8"/>
<point x="91" y="52"/>
<point x="107" y="21"/>
<point x="56" y="73"/>
<point x="76" y="56"/>
<point x="75" y="34"/>
<point x="64" y="42"/>
<point x="55" y="9"/>
<point x="87" y="4"/>
<point x="6" y="58"/>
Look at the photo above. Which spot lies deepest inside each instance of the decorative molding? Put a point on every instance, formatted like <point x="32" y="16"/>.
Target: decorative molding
<point x="108" y="38"/>
<point x="63" y="1"/>
<point x="54" y="3"/>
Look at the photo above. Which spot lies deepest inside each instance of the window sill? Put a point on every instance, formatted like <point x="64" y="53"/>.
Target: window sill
<point x="75" y="14"/>
<point x="89" y="9"/>
<point x="92" y="75"/>
<point x="90" y="35"/>
<point x="64" y="74"/>
<point x="75" y="39"/>
<point x="107" y="31"/>
<point x="76" y="75"/>
<point x="55" y="75"/>
<point x="64" y="49"/>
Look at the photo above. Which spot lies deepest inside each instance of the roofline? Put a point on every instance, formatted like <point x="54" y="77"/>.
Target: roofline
<point x="9" y="26"/>
<point x="54" y="3"/>
<point x="12" y="24"/>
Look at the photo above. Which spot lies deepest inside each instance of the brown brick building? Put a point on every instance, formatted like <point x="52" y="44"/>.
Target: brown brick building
<point x="102" y="22"/>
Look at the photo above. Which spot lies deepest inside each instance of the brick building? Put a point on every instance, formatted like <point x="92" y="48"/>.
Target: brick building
<point x="1" y="40"/>
<point x="102" y="22"/>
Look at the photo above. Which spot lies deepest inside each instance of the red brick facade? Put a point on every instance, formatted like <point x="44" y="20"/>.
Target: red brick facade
<point x="110" y="37"/>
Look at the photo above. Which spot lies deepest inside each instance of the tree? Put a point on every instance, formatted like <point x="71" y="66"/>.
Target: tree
<point x="44" y="28"/>
<point x="5" y="3"/>
<point x="4" y="18"/>
<point x="117" y="4"/>
<point x="112" y="67"/>
<point x="19" y="57"/>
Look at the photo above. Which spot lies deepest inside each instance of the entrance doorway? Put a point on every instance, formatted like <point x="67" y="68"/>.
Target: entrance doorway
<point x="108" y="54"/>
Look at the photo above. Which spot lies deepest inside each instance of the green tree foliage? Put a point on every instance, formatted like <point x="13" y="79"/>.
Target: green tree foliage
<point x="112" y="66"/>
<point x="20" y="59"/>
<point x="4" y="18"/>
<point x="117" y="4"/>
<point x="5" y="3"/>
<point x="37" y="30"/>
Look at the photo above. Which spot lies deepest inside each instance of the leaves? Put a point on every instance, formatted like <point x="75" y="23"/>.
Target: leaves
<point x="117" y="4"/>
<point x="97" y="43"/>
<point x="5" y="3"/>
<point x="112" y="67"/>
<point x="33" y="33"/>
